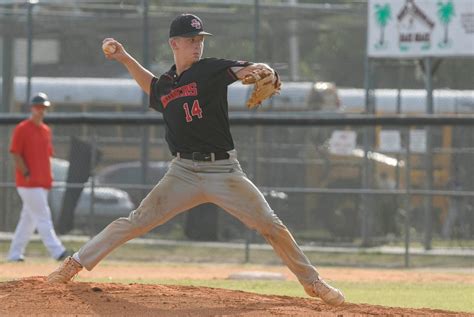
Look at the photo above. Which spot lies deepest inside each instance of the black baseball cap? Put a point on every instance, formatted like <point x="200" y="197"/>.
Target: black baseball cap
<point x="40" y="99"/>
<point x="187" y="25"/>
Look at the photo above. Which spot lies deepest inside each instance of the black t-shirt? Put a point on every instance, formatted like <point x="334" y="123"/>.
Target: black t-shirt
<point x="194" y="105"/>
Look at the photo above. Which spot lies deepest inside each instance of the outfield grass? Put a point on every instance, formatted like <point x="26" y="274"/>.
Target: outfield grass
<point x="196" y="254"/>
<point x="434" y="295"/>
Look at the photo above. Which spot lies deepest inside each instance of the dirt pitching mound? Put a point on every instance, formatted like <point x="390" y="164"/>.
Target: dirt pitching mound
<point x="33" y="296"/>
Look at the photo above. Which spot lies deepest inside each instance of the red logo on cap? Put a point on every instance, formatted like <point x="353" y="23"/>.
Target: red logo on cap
<point x="196" y="24"/>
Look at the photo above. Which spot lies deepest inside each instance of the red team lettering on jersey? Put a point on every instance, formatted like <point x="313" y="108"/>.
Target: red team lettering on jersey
<point x="183" y="91"/>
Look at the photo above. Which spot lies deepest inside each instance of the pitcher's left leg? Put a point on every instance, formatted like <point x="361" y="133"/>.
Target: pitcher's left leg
<point x="235" y="193"/>
<point x="240" y="197"/>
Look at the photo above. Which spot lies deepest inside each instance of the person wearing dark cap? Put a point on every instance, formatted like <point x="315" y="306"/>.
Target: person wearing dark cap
<point x="31" y="148"/>
<point x="192" y="96"/>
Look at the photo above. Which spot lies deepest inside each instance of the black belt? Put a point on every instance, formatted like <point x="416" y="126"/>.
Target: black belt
<point x="204" y="157"/>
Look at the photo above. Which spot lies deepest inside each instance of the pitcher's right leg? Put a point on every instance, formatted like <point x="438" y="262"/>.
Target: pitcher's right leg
<point x="170" y="197"/>
<point x="176" y="192"/>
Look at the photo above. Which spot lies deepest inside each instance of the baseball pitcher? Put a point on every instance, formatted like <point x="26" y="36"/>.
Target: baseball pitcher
<point x="192" y="96"/>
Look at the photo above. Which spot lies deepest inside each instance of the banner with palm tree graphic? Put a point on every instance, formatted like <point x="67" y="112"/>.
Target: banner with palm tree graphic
<point x="419" y="28"/>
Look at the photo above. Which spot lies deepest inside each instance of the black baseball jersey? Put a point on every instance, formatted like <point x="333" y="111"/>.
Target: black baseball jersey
<point x="194" y="105"/>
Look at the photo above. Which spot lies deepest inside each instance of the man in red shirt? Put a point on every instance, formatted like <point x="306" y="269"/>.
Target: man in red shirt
<point x="32" y="148"/>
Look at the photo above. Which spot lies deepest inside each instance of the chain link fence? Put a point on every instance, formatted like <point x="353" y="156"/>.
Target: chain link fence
<point x="325" y="196"/>
<point x="317" y="192"/>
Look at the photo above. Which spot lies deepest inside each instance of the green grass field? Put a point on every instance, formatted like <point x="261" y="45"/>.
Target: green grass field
<point x="192" y="253"/>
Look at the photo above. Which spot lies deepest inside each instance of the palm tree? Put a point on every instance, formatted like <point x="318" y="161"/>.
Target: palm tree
<point x="383" y="14"/>
<point x="445" y="14"/>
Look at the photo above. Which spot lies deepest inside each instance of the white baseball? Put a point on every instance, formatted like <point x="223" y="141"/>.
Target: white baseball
<point x="109" y="48"/>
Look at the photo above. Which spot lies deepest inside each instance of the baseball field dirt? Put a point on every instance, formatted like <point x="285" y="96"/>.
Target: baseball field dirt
<point x="26" y="294"/>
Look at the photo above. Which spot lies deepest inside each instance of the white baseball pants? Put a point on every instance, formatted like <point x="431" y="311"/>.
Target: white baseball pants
<point x="187" y="184"/>
<point x="35" y="214"/>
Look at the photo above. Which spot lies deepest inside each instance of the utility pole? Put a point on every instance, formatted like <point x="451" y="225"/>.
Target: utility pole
<point x="253" y="145"/>
<point x="428" y="156"/>
<point x="29" y="62"/>
<point x="8" y="75"/>
<point x="368" y="137"/>
<point x="145" y="129"/>
<point x="294" y="46"/>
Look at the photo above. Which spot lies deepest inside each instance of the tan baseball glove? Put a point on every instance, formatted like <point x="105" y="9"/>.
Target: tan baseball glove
<point x="267" y="84"/>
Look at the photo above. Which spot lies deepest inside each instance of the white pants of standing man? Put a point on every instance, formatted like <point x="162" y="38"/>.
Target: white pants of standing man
<point x="187" y="184"/>
<point x="35" y="214"/>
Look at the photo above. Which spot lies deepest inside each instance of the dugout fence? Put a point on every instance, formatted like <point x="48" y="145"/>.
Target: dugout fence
<point x="316" y="189"/>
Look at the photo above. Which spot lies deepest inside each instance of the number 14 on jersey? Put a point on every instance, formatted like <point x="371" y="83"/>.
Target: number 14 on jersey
<point x="196" y="111"/>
